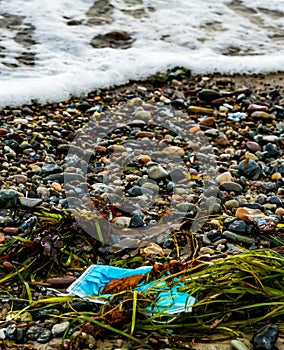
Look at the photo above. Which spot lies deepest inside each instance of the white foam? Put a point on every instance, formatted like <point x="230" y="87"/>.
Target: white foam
<point x="197" y="34"/>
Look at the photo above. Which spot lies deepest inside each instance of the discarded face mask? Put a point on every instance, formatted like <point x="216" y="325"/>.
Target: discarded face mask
<point x="98" y="283"/>
<point x="168" y="299"/>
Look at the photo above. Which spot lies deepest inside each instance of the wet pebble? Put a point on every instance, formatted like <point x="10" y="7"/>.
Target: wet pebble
<point x="20" y="178"/>
<point x="43" y="192"/>
<point x="152" y="186"/>
<point x="231" y="186"/>
<point x="270" y="138"/>
<point x="135" y="191"/>
<point x="137" y="219"/>
<point x="279" y="211"/>
<point x="157" y="172"/>
<point x="250" y="169"/>
<point x="8" y="266"/>
<point x="142" y="134"/>
<point x="56" y="186"/>
<point x="255" y="107"/>
<point x="222" y="140"/>
<point x="8" y="199"/>
<point x="254" y="216"/>
<point x="240" y="226"/>
<point x="40" y="334"/>
<point x="209" y="95"/>
<point x="262" y="115"/>
<point x="238" y="345"/>
<point x="15" y="334"/>
<point x="122" y="221"/>
<point x="48" y="169"/>
<point x="207" y="121"/>
<point x="200" y="110"/>
<point x="238" y="238"/>
<point x="140" y="113"/>
<point x="3" y="132"/>
<point x="253" y="146"/>
<point x="59" y="328"/>
<point x="276" y="200"/>
<point x="276" y="176"/>
<point x="29" y="202"/>
<point x="271" y="151"/>
<point x="231" y="204"/>
<point x="224" y="177"/>
<point x="265" y="338"/>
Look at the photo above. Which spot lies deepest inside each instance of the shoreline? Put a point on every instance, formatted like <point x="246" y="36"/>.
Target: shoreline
<point x="256" y="81"/>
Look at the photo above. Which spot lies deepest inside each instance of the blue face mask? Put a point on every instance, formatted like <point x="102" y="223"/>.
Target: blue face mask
<point x="168" y="299"/>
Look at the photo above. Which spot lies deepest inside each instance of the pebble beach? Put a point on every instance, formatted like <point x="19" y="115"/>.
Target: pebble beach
<point x="142" y="175"/>
<point x="237" y="120"/>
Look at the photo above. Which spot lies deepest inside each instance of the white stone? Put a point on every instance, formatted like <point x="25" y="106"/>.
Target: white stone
<point x="2" y="334"/>
<point x="59" y="328"/>
<point x="122" y="221"/>
<point x="226" y="176"/>
<point x="157" y="172"/>
<point x="238" y="345"/>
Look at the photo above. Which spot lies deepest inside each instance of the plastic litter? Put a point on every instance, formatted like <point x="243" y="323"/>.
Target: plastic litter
<point x="168" y="299"/>
<point x="236" y="116"/>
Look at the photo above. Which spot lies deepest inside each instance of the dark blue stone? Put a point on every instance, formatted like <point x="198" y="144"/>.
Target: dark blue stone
<point x="265" y="338"/>
<point x="250" y="169"/>
<point x="137" y="219"/>
<point x="135" y="191"/>
<point x="239" y="226"/>
<point x="271" y="151"/>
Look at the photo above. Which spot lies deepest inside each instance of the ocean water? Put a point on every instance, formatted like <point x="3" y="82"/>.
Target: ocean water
<point x="51" y="49"/>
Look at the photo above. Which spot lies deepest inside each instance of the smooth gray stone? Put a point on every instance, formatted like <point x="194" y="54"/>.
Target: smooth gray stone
<point x="231" y="186"/>
<point x="30" y="202"/>
<point x="238" y="238"/>
<point x="8" y="199"/>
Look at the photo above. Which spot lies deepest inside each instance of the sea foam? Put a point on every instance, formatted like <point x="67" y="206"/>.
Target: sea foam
<point x="45" y="58"/>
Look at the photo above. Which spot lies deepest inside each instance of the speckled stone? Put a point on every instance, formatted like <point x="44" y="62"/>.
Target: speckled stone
<point x="231" y="186"/>
<point x="231" y="204"/>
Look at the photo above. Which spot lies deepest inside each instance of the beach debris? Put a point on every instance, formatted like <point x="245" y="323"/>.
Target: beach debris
<point x="99" y="282"/>
<point x="97" y="278"/>
<point x="28" y="224"/>
<point x="143" y="177"/>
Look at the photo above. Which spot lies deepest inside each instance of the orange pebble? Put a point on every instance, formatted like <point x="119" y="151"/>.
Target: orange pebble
<point x="276" y="176"/>
<point x="56" y="186"/>
<point x="247" y="214"/>
<point x="279" y="211"/>
<point x="194" y="129"/>
<point x="144" y="158"/>
<point x="11" y="230"/>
